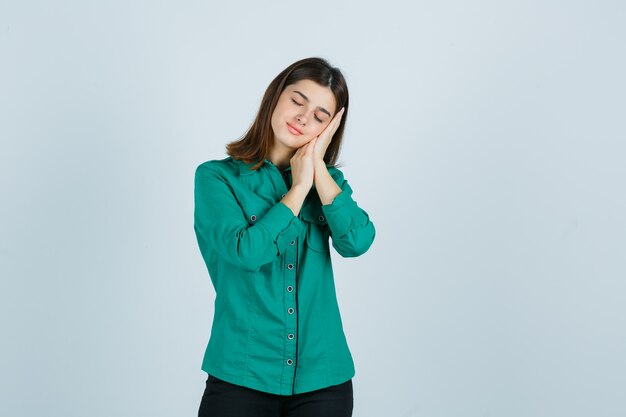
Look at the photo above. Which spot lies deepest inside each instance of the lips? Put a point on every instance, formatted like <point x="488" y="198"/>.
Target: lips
<point x="293" y="130"/>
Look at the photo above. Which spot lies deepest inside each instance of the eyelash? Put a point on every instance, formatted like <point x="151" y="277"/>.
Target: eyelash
<point x="316" y="118"/>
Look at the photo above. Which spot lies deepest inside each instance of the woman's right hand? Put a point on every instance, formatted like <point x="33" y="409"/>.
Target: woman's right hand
<point x="303" y="167"/>
<point x="302" y="176"/>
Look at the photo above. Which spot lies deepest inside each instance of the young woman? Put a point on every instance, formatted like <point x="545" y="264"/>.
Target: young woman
<point x="263" y="219"/>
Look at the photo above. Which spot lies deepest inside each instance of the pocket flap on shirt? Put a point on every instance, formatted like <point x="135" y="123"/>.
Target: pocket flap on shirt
<point x="313" y="214"/>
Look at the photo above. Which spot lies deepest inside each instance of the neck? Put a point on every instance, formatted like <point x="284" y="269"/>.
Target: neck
<point x="280" y="156"/>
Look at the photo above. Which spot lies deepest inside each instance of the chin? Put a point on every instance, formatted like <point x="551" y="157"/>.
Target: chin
<point x="296" y="141"/>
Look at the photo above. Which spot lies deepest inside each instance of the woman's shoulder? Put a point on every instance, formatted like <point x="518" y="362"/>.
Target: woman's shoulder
<point x="223" y="166"/>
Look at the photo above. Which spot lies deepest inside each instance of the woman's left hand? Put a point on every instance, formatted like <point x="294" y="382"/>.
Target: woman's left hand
<point x="324" y="138"/>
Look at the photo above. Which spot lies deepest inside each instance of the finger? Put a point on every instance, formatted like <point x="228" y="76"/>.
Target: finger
<point x="311" y="146"/>
<point x="336" y="120"/>
<point x="333" y="127"/>
<point x="339" y="114"/>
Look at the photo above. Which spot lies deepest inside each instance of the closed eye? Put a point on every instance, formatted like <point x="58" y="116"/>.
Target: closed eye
<point x="299" y="104"/>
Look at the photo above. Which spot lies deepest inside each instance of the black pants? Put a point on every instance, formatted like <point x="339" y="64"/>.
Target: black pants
<point x="223" y="399"/>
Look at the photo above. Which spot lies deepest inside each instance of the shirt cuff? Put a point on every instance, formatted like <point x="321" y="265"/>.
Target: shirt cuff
<point x="340" y="212"/>
<point x="282" y="224"/>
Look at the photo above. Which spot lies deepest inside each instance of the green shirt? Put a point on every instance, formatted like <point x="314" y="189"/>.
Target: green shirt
<point x="276" y="325"/>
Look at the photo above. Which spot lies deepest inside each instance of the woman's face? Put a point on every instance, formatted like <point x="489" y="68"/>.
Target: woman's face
<point x="303" y="111"/>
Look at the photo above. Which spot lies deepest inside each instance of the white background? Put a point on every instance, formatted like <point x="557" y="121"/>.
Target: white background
<point x="485" y="139"/>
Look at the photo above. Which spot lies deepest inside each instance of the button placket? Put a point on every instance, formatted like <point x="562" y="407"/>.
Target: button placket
<point x="291" y="320"/>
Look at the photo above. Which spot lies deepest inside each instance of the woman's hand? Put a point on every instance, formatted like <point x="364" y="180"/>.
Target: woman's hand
<point x="324" y="138"/>
<point x="302" y="165"/>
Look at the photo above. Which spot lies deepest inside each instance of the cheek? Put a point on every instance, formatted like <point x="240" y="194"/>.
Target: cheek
<point x="277" y="112"/>
<point x="320" y="128"/>
<point x="277" y="116"/>
<point x="282" y="107"/>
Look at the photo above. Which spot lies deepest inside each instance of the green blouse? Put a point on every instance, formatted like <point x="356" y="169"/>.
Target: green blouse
<point x="276" y="324"/>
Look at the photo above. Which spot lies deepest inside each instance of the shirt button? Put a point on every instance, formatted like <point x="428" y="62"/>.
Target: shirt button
<point x="253" y="217"/>
<point x="321" y="218"/>
<point x="284" y="195"/>
<point x="290" y="288"/>
<point x="290" y="336"/>
<point x="290" y="310"/>
<point x="290" y="266"/>
<point x="293" y="242"/>
<point x="289" y="361"/>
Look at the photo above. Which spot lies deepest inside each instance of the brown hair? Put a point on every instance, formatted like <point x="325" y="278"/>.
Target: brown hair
<point x="254" y="145"/>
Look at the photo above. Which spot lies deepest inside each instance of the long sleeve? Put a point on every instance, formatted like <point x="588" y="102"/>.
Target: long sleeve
<point x="221" y="225"/>
<point x="351" y="229"/>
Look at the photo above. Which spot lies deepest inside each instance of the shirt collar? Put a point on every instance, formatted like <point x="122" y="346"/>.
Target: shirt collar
<point x="244" y="168"/>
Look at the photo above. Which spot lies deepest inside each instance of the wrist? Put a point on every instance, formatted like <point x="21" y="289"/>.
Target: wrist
<point x="320" y="165"/>
<point x="299" y="190"/>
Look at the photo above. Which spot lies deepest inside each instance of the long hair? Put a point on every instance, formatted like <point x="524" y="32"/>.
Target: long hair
<point x="254" y="145"/>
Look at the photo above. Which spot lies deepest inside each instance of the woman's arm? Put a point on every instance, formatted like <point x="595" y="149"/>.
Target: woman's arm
<point x="325" y="185"/>
<point x="351" y="229"/>
<point x="220" y="224"/>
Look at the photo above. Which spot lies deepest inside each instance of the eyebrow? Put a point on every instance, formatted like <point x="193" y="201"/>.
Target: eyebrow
<point x="319" y="107"/>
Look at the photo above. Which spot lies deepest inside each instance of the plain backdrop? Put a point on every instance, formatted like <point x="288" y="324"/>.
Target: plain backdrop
<point x="485" y="139"/>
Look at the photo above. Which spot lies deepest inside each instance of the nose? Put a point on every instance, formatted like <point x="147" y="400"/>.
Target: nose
<point x="301" y="119"/>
